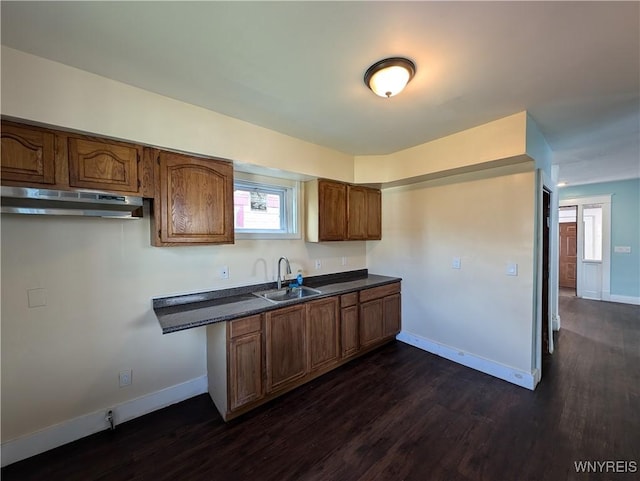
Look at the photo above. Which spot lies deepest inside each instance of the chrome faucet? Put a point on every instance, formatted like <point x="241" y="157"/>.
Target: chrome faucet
<point x="283" y="258"/>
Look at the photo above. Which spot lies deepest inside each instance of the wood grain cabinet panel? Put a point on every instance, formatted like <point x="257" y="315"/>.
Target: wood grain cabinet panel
<point x="28" y="154"/>
<point x="356" y="212"/>
<point x="286" y="341"/>
<point x="332" y="210"/>
<point x="371" y="314"/>
<point x="374" y="214"/>
<point x="380" y="314"/>
<point x="323" y="333"/>
<point x="391" y="315"/>
<point x="349" y="330"/>
<point x="104" y="165"/>
<point x="194" y="203"/>
<point x="245" y="370"/>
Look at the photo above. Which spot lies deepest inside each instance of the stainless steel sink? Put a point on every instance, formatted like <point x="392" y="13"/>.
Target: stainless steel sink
<point x="287" y="294"/>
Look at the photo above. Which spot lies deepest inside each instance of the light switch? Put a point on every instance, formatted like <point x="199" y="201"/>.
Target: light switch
<point x="512" y="269"/>
<point x="37" y="297"/>
<point x="455" y="263"/>
<point x="622" y="249"/>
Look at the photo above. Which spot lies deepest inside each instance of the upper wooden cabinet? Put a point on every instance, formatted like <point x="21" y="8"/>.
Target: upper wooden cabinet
<point x="43" y="157"/>
<point x="104" y="165"/>
<point x="374" y="214"/>
<point x="28" y="154"/>
<point x="356" y="212"/>
<point x="193" y="202"/>
<point x="337" y="211"/>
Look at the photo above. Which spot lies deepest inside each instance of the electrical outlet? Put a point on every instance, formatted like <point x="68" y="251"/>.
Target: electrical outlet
<point x="125" y="378"/>
<point x="36" y="297"/>
<point x="344" y="261"/>
<point x="224" y="272"/>
<point x="318" y="264"/>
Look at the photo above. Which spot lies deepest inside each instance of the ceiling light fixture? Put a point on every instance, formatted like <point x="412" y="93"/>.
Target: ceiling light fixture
<point x="388" y="77"/>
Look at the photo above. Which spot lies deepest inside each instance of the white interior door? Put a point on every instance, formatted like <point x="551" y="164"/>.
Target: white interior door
<point x="594" y="246"/>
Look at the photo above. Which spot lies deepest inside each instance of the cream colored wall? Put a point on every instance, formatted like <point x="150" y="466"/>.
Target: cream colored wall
<point x="62" y="360"/>
<point x="486" y="220"/>
<point x="501" y="139"/>
<point x="52" y="93"/>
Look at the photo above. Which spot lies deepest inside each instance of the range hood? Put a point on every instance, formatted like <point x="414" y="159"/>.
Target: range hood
<point x="20" y="200"/>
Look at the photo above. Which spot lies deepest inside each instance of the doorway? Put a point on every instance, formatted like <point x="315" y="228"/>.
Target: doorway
<point x="546" y="246"/>
<point x="568" y="252"/>
<point x="593" y="245"/>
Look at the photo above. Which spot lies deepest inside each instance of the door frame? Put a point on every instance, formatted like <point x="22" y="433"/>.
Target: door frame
<point x="544" y="184"/>
<point x="581" y="202"/>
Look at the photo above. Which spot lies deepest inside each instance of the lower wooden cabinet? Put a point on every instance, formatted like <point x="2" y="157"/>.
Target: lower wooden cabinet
<point x="379" y="314"/>
<point x="391" y="315"/>
<point x="323" y="333"/>
<point x="371" y="322"/>
<point x="349" y="330"/>
<point x="257" y="358"/>
<point x="244" y="357"/>
<point x="285" y="346"/>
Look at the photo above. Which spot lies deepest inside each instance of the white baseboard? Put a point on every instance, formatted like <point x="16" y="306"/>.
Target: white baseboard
<point x="624" y="299"/>
<point x="521" y="378"/>
<point x="53" y="436"/>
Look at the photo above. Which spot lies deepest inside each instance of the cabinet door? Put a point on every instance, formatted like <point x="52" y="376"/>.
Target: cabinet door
<point x="323" y="333"/>
<point x="374" y="215"/>
<point x="391" y="323"/>
<point x="286" y="356"/>
<point x="245" y="370"/>
<point x="371" y="314"/>
<point x="28" y="155"/>
<point x="195" y="200"/>
<point x="357" y="212"/>
<point x="350" y="332"/>
<point x="332" y="211"/>
<point x="103" y="166"/>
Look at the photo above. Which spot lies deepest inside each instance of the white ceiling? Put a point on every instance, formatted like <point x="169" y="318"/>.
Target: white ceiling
<point x="297" y="67"/>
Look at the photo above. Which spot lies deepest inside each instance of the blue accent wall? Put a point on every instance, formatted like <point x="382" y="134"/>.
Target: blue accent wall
<point x="625" y="230"/>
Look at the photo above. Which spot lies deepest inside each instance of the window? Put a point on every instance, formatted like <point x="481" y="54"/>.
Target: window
<point x="265" y="207"/>
<point x="592" y="221"/>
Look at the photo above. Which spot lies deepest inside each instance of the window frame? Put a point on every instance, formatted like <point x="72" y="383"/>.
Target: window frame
<point x="290" y="192"/>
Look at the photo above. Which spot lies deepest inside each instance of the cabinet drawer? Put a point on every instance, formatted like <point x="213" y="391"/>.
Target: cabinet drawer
<point x="240" y="327"/>
<point x="347" y="300"/>
<point x="377" y="292"/>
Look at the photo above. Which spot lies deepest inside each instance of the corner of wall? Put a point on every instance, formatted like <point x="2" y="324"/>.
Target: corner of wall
<point x="537" y="147"/>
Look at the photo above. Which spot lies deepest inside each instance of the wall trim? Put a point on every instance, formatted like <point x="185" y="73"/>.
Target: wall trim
<point x="521" y="378"/>
<point x="67" y="431"/>
<point x="624" y="299"/>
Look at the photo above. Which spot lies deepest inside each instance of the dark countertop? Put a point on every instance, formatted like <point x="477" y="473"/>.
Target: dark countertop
<point x="177" y="313"/>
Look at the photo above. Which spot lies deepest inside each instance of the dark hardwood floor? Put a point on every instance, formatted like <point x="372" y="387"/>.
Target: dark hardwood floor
<point x="397" y="414"/>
